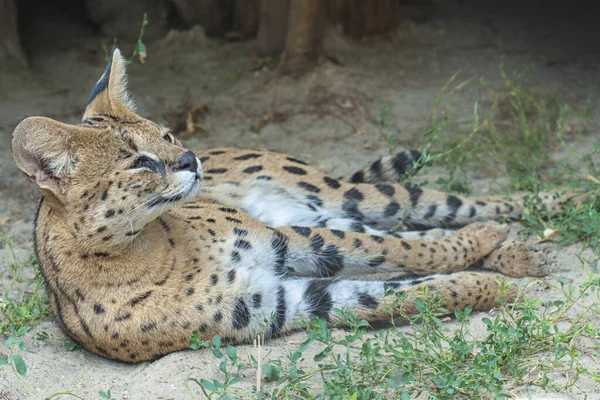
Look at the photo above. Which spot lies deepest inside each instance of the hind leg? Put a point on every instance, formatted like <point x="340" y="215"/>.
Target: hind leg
<point x="322" y="252"/>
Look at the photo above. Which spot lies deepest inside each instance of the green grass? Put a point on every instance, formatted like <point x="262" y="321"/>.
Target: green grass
<point x="513" y="131"/>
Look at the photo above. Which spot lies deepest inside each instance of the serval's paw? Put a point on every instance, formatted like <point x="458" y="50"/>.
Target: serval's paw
<point x="516" y="259"/>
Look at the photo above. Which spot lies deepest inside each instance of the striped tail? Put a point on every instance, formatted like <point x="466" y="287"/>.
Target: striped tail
<point x="388" y="169"/>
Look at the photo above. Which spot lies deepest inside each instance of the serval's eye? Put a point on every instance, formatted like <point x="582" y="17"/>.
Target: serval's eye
<point x="143" y="162"/>
<point x="169" y="138"/>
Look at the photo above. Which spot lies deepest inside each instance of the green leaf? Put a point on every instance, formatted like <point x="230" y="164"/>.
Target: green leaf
<point x="3" y="361"/>
<point x="71" y="346"/>
<point x="22" y="330"/>
<point x="208" y="385"/>
<point x="10" y="341"/>
<point x="271" y="373"/>
<point x="231" y="353"/>
<point x="216" y="341"/>
<point x="19" y="365"/>
<point x="223" y="367"/>
<point x="305" y="345"/>
<point x="21" y="344"/>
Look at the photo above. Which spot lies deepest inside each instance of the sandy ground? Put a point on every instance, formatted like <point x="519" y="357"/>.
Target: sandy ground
<point x="328" y="117"/>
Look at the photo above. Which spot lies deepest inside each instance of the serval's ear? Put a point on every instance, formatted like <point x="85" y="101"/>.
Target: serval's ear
<point x="44" y="150"/>
<point x="110" y="95"/>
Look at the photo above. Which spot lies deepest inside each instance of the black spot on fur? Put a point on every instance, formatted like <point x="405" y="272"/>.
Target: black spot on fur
<point x="109" y="213"/>
<point x="317" y="242"/>
<point x="228" y="210"/>
<point x="387" y="190"/>
<point x="148" y="327"/>
<point x="235" y="257"/>
<point x="332" y="183"/>
<point x="309" y="187"/>
<point x="357" y="226"/>
<point x="98" y="309"/>
<point x="302" y="230"/>
<point x="164" y="224"/>
<point x="368" y="301"/>
<point x="104" y="195"/>
<point x="231" y="276"/>
<point x="234" y="220"/>
<point x="216" y="152"/>
<point x="328" y="262"/>
<point x="217" y="171"/>
<point x="357" y="243"/>
<point x="315" y="200"/>
<point x="453" y="204"/>
<point x="263" y="178"/>
<point x="338" y="233"/>
<point x="292" y="159"/>
<point x="375" y="262"/>
<point x="241" y="315"/>
<point x="391" y="209"/>
<point x="318" y="299"/>
<point x="218" y="316"/>
<point x="251" y="170"/>
<point x="354" y="194"/>
<point x="377" y="239"/>
<point x="375" y="169"/>
<point x="405" y="245"/>
<point x="203" y="159"/>
<point x="350" y="208"/>
<point x="136" y="300"/>
<point x="294" y="170"/>
<point x="214" y="279"/>
<point x="256" y="300"/>
<point x="404" y="161"/>
<point x="248" y="156"/>
<point x="190" y="291"/>
<point x="279" y="244"/>
<point x="240" y="232"/>
<point x="472" y="212"/>
<point x="280" y="311"/>
<point x="430" y="211"/>
<point x="242" y="244"/>
<point x="481" y="203"/>
<point x="414" y="194"/>
<point x="358" y="177"/>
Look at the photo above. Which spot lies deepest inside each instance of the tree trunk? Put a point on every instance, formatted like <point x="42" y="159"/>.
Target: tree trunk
<point x="304" y="42"/>
<point x="273" y="26"/>
<point x="246" y="17"/>
<point x="11" y="51"/>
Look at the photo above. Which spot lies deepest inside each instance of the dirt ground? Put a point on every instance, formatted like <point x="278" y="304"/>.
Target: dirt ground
<point x="329" y="118"/>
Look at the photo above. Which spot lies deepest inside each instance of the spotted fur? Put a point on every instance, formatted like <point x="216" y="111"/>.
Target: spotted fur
<point x="141" y="242"/>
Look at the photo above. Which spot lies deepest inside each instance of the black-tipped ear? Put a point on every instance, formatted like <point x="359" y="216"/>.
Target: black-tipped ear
<point x="43" y="150"/>
<point x="110" y="94"/>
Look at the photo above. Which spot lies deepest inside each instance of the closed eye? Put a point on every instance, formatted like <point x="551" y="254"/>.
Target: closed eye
<point x="144" y="162"/>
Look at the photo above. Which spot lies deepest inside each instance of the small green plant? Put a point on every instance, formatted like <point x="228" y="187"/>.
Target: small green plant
<point x="139" y="50"/>
<point x="15" y="343"/>
<point x="106" y="395"/>
<point x="28" y="308"/>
